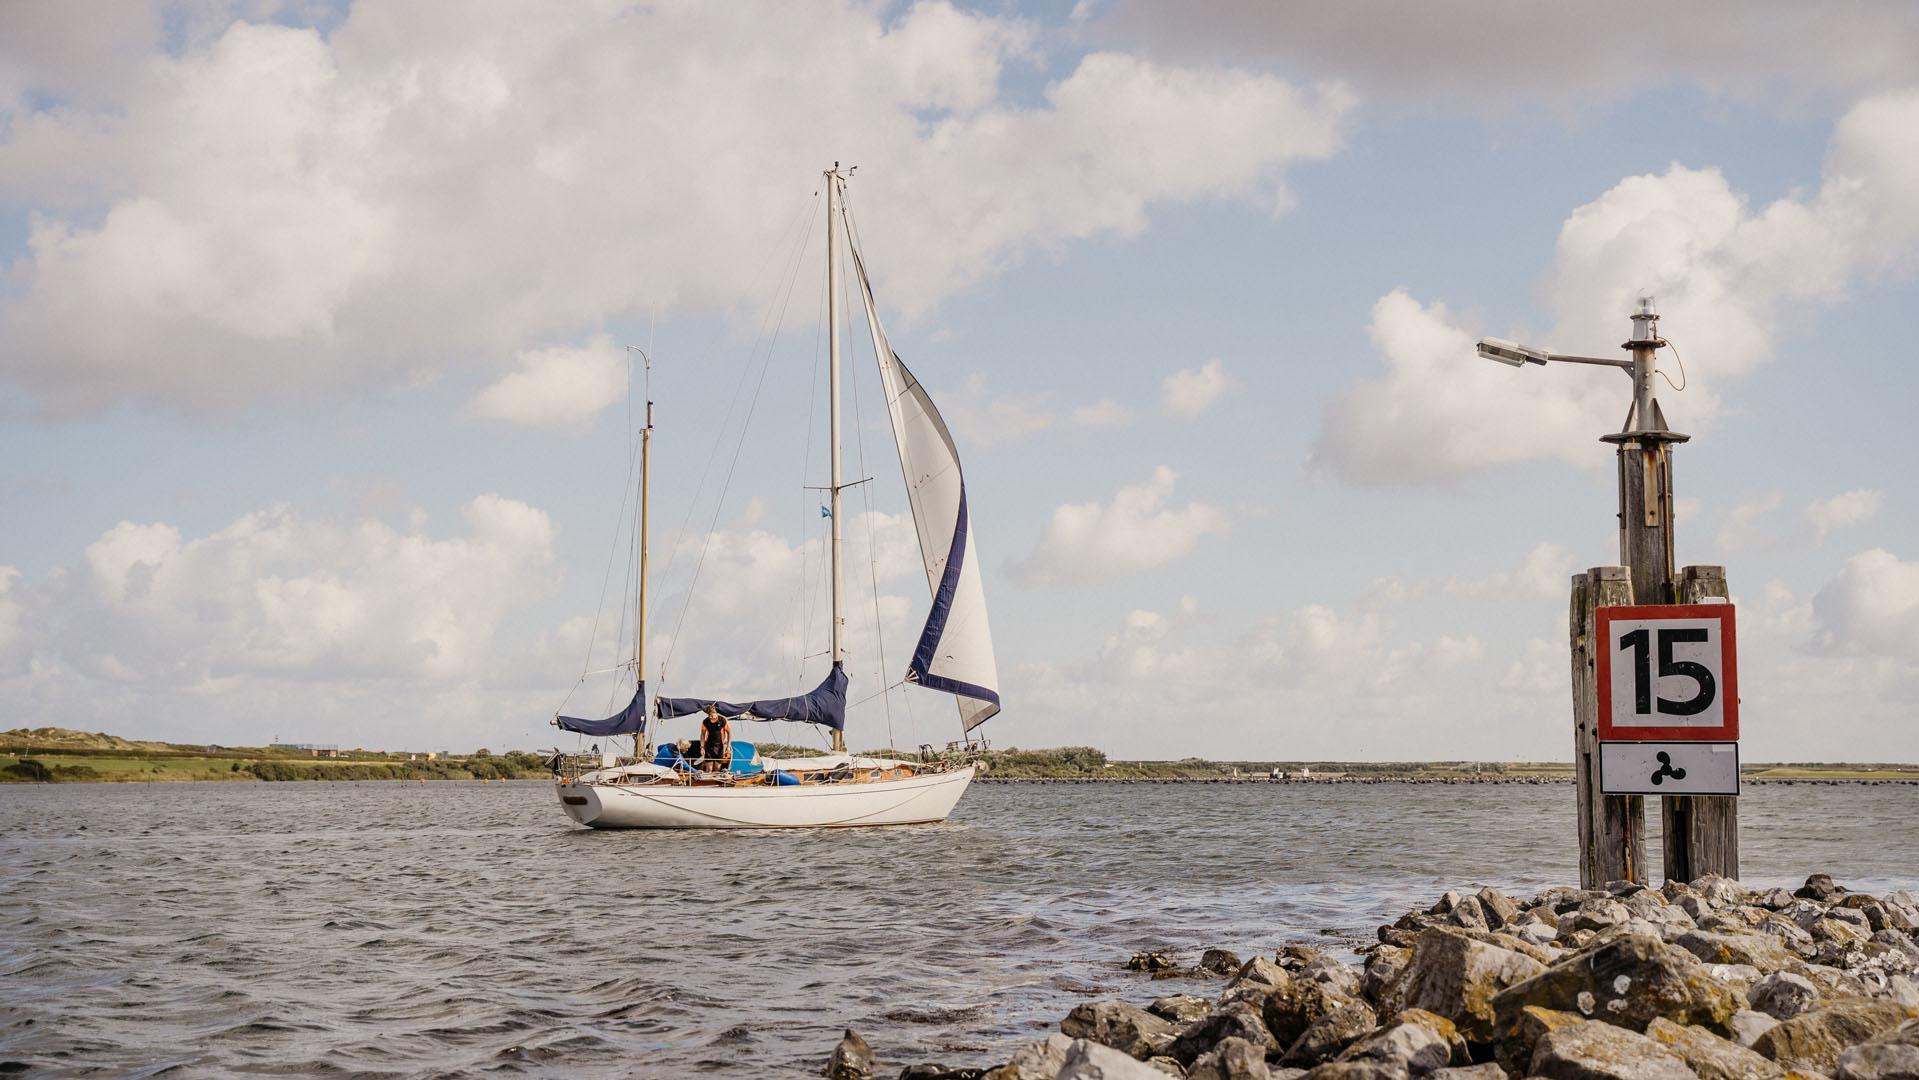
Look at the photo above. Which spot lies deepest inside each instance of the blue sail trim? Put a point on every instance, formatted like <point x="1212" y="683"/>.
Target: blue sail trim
<point x="825" y="705"/>
<point x="918" y="669"/>
<point x="628" y="721"/>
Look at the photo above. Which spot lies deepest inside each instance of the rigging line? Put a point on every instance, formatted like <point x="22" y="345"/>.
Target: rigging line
<point x="806" y="497"/>
<point x="804" y="217"/>
<point x="1683" y="380"/>
<point x="612" y="549"/>
<point x="746" y="425"/>
<point x="872" y="553"/>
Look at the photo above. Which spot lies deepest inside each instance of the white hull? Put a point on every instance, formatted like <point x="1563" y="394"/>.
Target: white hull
<point x="913" y="801"/>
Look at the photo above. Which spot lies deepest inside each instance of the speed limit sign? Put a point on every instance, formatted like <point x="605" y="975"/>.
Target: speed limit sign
<point x="1667" y="672"/>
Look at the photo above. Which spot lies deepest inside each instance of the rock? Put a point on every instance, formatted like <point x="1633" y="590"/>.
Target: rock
<point x="1589" y="1050"/>
<point x="1232" y="1059"/>
<point x="1037" y="1061"/>
<point x="1712" y="1057"/>
<point x="852" y="1059"/>
<point x="1150" y="961"/>
<point x="1516" y="1042"/>
<point x="1626" y="981"/>
<point x="930" y="1071"/>
<point x="1740" y="977"/>
<point x="1289" y="1011"/>
<point x="1487" y="1071"/>
<point x="1237" y="1020"/>
<point x="1500" y="910"/>
<point x="1720" y="890"/>
<point x="1819" y="887"/>
<point x="1747" y="1025"/>
<point x="1595" y="915"/>
<point x="1086" y="1060"/>
<point x="1757" y="950"/>
<point x="1469" y="914"/>
<point x="1261" y="970"/>
<point x="1353" y="1070"/>
<point x="1897" y="940"/>
<point x="1333" y="975"/>
<point x="1296" y="957"/>
<point x="1533" y="930"/>
<point x="1416" y="1047"/>
<point x="1892" y="1056"/>
<point x="1219" y="962"/>
<point x="1127" y="1028"/>
<point x="1814" y="1040"/>
<point x="1775" y="899"/>
<point x="1331" y="1033"/>
<point x="1181" y="1009"/>
<point x="1167" y="1065"/>
<point x="1384" y="965"/>
<point x="1783" y="995"/>
<point x="1447" y="901"/>
<point x="1458" y="978"/>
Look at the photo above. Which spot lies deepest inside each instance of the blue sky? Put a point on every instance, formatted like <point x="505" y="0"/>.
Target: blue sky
<point x="314" y="421"/>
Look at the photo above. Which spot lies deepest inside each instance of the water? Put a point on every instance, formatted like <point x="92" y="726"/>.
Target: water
<point x="456" y="929"/>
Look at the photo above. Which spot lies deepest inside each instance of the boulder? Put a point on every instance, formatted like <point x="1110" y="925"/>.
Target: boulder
<point x="1236" y="1020"/>
<point x="1892" y="1056"/>
<point x="1444" y="905"/>
<point x="1533" y="930"/>
<point x="1219" y="962"/>
<point x="1757" y="950"/>
<point x="932" y="1071"/>
<point x="1595" y="915"/>
<point x="1333" y="975"/>
<point x="1626" y="981"/>
<point x="1353" y="1070"/>
<point x="1036" y="1061"/>
<point x="1783" y="995"/>
<point x="1151" y="960"/>
<point x="1469" y="914"/>
<point x="1181" y="1009"/>
<point x="1087" y="1060"/>
<point x="1720" y="890"/>
<point x="1514" y="1048"/>
<point x="852" y="1059"/>
<point x="1712" y="1057"/>
<point x="1232" y="1059"/>
<point x="1775" y="899"/>
<point x="1127" y="1028"/>
<point x="1414" y="1046"/>
<point x="1814" y="1040"/>
<point x="1500" y="910"/>
<point x="1289" y="1011"/>
<point x="1327" y="1036"/>
<point x="1382" y="967"/>
<point x="1456" y="977"/>
<point x="1747" y="1025"/>
<point x="1589" y="1050"/>
<point x="1740" y="977"/>
<point x="1168" y="1065"/>
<point x="1819" y="887"/>
<point x="1261" y="970"/>
<point x="1487" y="1071"/>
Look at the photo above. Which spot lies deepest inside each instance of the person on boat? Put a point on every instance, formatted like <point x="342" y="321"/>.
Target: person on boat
<point x="716" y="742"/>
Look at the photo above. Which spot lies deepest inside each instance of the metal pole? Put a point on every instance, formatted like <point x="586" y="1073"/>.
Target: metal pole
<point x="644" y="735"/>
<point x="833" y="409"/>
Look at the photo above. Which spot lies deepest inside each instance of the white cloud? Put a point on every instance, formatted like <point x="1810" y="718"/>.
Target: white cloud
<point x="1871" y="608"/>
<point x="1088" y="542"/>
<point x="274" y="210"/>
<point x="1101" y="414"/>
<point x="1501" y="54"/>
<point x="1189" y="392"/>
<point x="1844" y="509"/>
<point x="557" y="386"/>
<point x="992" y="421"/>
<point x="1545" y="571"/>
<point x="1745" y="524"/>
<point x="1722" y="273"/>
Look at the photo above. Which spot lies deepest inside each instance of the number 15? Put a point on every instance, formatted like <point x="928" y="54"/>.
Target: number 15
<point x="1639" y="643"/>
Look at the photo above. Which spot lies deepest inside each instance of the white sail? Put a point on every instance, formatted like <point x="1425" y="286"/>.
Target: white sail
<point x="955" y="650"/>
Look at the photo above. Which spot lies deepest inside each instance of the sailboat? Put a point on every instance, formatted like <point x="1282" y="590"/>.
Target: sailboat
<point x="675" y="789"/>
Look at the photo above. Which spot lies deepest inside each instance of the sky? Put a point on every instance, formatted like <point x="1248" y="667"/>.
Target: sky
<point x="317" y="407"/>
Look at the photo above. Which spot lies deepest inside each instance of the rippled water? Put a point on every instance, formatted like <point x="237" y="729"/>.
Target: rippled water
<point x="451" y="929"/>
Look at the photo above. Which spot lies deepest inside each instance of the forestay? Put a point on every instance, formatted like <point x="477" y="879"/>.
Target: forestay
<point x="955" y="650"/>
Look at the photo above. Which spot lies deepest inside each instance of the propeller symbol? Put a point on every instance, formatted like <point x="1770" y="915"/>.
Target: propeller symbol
<point x="1666" y="769"/>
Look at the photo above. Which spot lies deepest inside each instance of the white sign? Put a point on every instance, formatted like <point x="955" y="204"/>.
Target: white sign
<point x="1669" y="768"/>
<point x="1667" y="672"/>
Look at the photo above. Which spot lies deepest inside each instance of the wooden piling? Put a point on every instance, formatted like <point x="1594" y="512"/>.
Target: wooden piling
<point x="1701" y="831"/>
<point x="1612" y="828"/>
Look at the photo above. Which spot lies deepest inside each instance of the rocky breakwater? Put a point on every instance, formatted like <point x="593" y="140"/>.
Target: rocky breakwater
<point x="1710" y="980"/>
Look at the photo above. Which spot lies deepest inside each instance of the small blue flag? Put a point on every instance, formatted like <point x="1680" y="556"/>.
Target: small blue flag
<point x="826" y="512"/>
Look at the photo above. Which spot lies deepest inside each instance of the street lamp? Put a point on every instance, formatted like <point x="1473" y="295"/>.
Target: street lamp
<point x="1645" y="341"/>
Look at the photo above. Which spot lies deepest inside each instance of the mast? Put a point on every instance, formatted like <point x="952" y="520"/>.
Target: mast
<point x="641" y="737"/>
<point x="833" y="182"/>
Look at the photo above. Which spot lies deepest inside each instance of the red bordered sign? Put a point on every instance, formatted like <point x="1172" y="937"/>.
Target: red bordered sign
<point x="1667" y="672"/>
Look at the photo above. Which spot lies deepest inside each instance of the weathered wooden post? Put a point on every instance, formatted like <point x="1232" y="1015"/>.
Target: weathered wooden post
<point x="1612" y="828"/>
<point x="1701" y="830"/>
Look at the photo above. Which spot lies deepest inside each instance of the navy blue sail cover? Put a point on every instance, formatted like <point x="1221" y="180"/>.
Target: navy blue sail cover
<point x="628" y="721"/>
<point x="825" y="705"/>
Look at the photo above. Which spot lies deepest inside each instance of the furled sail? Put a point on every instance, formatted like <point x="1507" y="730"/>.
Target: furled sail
<point x="628" y="721"/>
<point x="955" y="651"/>
<point x="825" y="705"/>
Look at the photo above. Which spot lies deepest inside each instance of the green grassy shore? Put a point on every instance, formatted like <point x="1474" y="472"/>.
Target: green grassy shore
<point x="58" y="755"/>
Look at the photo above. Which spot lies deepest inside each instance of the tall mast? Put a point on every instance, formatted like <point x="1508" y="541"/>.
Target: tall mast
<point x="641" y="737"/>
<point x="833" y="182"/>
